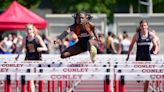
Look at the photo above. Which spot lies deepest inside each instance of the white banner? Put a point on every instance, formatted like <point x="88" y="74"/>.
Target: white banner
<point x="140" y="76"/>
<point x="16" y="69"/>
<point x="74" y="69"/>
<point x="54" y="65"/>
<point x="137" y="62"/>
<point x="139" y="66"/>
<point x="139" y="70"/>
<point x="65" y="76"/>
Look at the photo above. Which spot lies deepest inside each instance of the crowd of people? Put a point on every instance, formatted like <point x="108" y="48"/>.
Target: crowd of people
<point x="10" y="44"/>
<point x="112" y="44"/>
<point x="78" y="35"/>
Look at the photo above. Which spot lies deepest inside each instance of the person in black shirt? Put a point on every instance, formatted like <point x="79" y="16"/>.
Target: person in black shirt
<point x="143" y="37"/>
<point x="33" y="44"/>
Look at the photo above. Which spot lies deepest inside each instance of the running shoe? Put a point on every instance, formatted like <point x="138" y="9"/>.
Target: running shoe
<point x="93" y="52"/>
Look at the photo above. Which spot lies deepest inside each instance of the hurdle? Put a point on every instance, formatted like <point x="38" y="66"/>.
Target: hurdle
<point x="53" y="64"/>
<point x="122" y="77"/>
<point x="19" y="68"/>
<point x="145" y="67"/>
<point x="71" y="65"/>
<point x="54" y="76"/>
<point x="76" y="64"/>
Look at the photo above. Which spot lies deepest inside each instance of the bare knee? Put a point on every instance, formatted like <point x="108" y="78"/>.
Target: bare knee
<point x="64" y="55"/>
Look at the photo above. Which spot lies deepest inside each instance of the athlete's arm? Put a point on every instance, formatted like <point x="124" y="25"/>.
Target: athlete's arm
<point x="158" y="43"/>
<point x="41" y="42"/>
<point x="21" y="48"/>
<point x="64" y="34"/>
<point x="94" y="32"/>
<point x="135" y="37"/>
<point x="154" y="41"/>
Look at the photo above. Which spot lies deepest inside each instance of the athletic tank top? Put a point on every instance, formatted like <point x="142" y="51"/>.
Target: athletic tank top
<point x="83" y="30"/>
<point x="143" y="48"/>
<point x="84" y="34"/>
<point x="31" y="50"/>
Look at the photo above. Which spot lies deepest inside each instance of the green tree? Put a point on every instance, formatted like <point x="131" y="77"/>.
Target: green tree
<point x="27" y="3"/>
<point x="158" y="6"/>
<point x="91" y="6"/>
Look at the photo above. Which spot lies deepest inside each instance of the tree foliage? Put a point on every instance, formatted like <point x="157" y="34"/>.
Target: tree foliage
<point x="158" y="6"/>
<point x="91" y="6"/>
<point x="27" y="3"/>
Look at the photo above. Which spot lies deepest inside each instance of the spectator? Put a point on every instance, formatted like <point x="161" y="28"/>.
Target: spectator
<point x="101" y="45"/>
<point x="18" y="44"/>
<point x="111" y="49"/>
<point x="6" y="45"/>
<point x="125" y="43"/>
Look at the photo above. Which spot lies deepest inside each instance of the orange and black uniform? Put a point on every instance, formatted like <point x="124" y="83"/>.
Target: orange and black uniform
<point x="31" y="50"/>
<point x="84" y="34"/>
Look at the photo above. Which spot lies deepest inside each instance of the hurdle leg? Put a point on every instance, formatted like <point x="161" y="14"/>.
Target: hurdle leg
<point x="107" y="86"/>
<point x="41" y="85"/>
<point x="66" y="85"/>
<point x="5" y="85"/>
<point x="146" y="86"/>
<point x="8" y="83"/>
<point x="28" y="86"/>
<point x="17" y="85"/>
<point x="158" y="85"/>
<point x="49" y="83"/>
<point x="61" y="86"/>
<point x="104" y="85"/>
<point x="53" y="86"/>
<point x="23" y="83"/>
<point x="122" y="84"/>
<point x="116" y="86"/>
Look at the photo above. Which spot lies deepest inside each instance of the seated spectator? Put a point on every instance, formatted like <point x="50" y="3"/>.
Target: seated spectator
<point x="6" y="45"/>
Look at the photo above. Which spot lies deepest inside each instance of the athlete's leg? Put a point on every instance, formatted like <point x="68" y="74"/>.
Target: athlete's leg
<point x="71" y="51"/>
<point x="93" y="49"/>
<point x="93" y="52"/>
